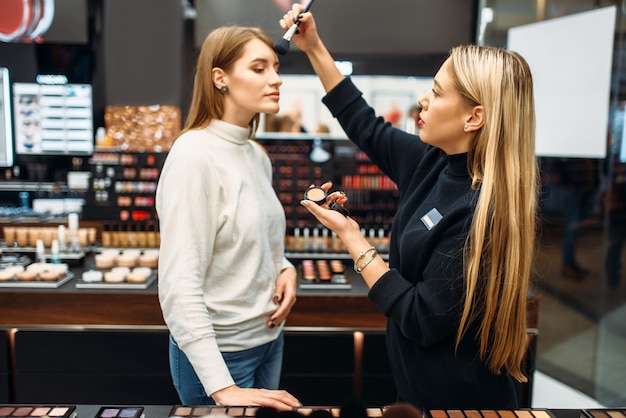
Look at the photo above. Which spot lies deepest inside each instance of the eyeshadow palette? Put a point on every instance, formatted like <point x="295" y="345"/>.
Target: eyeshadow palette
<point x="199" y="411"/>
<point x="250" y="411"/>
<point x="28" y="411"/>
<point x="507" y="413"/>
<point x="323" y="274"/>
<point x="605" y="413"/>
<point x="120" y="412"/>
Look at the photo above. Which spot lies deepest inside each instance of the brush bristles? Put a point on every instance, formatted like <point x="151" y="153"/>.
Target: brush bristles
<point x="282" y="47"/>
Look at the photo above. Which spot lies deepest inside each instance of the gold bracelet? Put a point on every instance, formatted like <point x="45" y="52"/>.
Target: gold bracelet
<point x="360" y="268"/>
<point x="362" y="255"/>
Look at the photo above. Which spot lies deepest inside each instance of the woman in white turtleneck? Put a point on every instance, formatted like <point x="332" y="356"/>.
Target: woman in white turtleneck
<point x="225" y="286"/>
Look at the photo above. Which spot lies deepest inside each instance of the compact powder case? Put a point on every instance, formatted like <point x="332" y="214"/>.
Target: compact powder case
<point x="315" y="194"/>
<point x="318" y="195"/>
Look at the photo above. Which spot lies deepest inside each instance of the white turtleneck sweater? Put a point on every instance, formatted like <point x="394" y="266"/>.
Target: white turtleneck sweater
<point x="222" y="247"/>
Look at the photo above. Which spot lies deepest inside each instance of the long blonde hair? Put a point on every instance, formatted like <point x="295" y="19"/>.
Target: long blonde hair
<point x="221" y="48"/>
<point x="502" y="239"/>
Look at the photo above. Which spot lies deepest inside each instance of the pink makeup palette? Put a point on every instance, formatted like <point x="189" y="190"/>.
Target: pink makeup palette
<point x="28" y="411"/>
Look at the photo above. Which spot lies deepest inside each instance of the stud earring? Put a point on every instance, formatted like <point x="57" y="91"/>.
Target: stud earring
<point x="224" y="89"/>
<point x="465" y="127"/>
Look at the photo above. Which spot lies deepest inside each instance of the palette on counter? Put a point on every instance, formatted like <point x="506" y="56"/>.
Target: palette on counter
<point x="250" y="411"/>
<point x="111" y="257"/>
<point x="605" y="413"/>
<point x="35" y="275"/>
<point x="71" y="257"/>
<point x="21" y="411"/>
<point x="121" y="412"/>
<point x="488" y="413"/>
<point x="126" y="269"/>
<point x="117" y="278"/>
<point x="323" y="274"/>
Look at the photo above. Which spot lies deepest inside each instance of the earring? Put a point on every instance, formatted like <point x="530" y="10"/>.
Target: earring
<point x="465" y="127"/>
<point x="224" y="89"/>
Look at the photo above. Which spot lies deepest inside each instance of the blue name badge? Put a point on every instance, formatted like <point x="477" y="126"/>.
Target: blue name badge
<point x="432" y="218"/>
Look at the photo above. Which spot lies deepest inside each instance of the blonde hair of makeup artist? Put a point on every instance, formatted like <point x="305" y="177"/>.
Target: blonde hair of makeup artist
<point x="501" y="243"/>
<point x="207" y="102"/>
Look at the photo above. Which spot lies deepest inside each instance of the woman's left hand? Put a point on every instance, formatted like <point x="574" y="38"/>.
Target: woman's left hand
<point x="342" y="225"/>
<point x="284" y="295"/>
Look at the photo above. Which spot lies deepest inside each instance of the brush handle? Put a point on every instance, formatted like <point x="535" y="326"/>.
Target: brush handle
<point x="297" y="23"/>
<point x="308" y="6"/>
<point x="282" y="46"/>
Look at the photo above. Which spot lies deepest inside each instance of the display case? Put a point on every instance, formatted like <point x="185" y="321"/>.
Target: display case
<point x="301" y="161"/>
<point x="123" y="186"/>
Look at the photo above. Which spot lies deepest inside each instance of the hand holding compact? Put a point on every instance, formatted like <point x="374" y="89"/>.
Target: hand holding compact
<point x="320" y="196"/>
<point x="327" y="208"/>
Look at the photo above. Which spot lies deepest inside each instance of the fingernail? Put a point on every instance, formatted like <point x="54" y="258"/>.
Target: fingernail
<point x="300" y="16"/>
<point x="273" y="319"/>
<point x="272" y="325"/>
<point x="304" y="203"/>
<point x="276" y="297"/>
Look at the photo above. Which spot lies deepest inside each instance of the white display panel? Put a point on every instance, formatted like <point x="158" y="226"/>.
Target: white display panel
<point x="571" y="60"/>
<point x="6" y="132"/>
<point x="53" y="119"/>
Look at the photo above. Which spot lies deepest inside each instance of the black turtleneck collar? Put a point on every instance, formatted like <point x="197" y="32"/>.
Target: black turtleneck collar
<point x="457" y="164"/>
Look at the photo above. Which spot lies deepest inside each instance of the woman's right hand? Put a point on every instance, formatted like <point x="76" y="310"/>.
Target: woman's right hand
<point x="236" y="396"/>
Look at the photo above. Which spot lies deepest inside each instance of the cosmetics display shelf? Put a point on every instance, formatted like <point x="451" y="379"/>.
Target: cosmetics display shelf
<point x="324" y="285"/>
<point x="297" y="165"/>
<point x="325" y="270"/>
<point x="63" y="256"/>
<point x="14" y="259"/>
<point x="121" y="235"/>
<point x="324" y="256"/>
<point x="71" y="258"/>
<point x="123" y="185"/>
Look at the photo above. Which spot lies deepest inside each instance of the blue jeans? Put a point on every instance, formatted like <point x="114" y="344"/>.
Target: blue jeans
<point x="257" y="367"/>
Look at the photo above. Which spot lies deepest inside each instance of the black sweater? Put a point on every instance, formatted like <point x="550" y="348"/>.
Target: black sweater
<point x="422" y="294"/>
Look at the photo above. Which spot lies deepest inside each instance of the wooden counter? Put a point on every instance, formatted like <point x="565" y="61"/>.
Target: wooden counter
<point x="68" y="305"/>
<point x="127" y="340"/>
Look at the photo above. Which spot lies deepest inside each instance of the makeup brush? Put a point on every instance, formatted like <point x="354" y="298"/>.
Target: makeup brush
<point x="282" y="46"/>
